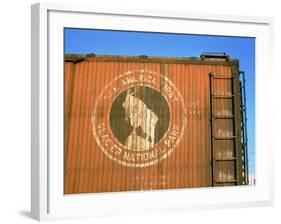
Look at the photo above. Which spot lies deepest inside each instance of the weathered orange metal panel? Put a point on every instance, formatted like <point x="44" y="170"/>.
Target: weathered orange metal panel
<point x="162" y="148"/>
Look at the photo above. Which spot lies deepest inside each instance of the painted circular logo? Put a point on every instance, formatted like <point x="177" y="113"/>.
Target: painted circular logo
<point x="139" y="118"/>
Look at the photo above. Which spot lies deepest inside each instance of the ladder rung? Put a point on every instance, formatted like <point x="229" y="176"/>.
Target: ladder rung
<point x="223" y="96"/>
<point x="225" y="159"/>
<point x="222" y="77"/>
<point x="226" y="181"/>
<point x="224" y="137"/>
<point x="223" y="116"/>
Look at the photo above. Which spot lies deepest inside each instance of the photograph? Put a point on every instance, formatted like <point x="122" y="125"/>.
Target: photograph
<point x="157" y="111"/>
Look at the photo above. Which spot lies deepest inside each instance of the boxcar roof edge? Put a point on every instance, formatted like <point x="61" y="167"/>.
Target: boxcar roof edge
<point x="76" y="58"/>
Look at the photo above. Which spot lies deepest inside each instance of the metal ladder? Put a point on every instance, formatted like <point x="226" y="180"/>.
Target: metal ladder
<point x="244" y="137"/>
<point x="214" y="136"/>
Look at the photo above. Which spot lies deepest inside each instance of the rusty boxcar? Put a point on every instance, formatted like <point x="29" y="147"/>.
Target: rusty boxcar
<point x="142" y="123"/>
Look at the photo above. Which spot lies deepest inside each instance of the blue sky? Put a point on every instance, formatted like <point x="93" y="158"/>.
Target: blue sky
<point x="83" y="41"/>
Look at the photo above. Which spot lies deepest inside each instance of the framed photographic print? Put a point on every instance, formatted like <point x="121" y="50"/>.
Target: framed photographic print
<point x="146" y="111"/>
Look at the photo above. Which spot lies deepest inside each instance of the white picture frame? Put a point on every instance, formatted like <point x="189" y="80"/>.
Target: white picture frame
<point x="48" y="201"/>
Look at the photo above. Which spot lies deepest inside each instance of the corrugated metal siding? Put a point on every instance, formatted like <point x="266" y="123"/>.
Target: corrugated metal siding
<point x="87" y="169"/>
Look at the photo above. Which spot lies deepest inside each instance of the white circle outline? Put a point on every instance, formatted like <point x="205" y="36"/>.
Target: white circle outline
<point x="169" y="151"/>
